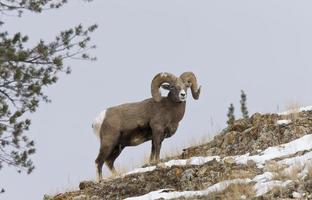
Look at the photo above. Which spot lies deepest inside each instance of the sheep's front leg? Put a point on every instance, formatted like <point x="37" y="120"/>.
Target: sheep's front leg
<point x="171" y="130"/>
<point x="157" y="138"/>
<point x="152" y="153"/>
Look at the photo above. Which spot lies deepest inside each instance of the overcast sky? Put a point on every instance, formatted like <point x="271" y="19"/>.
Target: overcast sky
<point x="263" y="47"/>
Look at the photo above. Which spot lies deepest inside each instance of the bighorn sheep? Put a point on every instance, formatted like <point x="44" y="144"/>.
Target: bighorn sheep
<point x="153" y="119"/>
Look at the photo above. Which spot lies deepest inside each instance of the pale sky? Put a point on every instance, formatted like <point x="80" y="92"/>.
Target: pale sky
<point x="263" y="47"/>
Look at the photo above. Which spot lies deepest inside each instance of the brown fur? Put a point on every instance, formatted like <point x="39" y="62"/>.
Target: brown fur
<point x="132" y="124"/>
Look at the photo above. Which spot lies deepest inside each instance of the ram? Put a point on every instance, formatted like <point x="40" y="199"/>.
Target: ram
<point x="153" y="119"/>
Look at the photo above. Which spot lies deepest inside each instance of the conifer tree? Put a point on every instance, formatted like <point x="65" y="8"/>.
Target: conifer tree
<point x="25" y="71"/>
<point x="243" y="105"/>
<point x="230" y="115"/>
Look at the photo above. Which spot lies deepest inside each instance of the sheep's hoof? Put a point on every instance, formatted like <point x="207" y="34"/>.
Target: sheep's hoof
<point x="98" y="180"/>
<point x="154" y="162"/>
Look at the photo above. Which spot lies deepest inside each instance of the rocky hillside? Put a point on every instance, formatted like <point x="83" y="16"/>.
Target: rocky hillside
<point x="266" y="157"/>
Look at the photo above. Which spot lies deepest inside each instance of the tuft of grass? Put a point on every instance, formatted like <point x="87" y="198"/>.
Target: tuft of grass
<point x="176" y="151"/>
<point x="121" y="171"/>
<point x="273" y="166"/>
<point x="172" y="153"/>
<point x="277" y="192"/>
<point x="291" y="173"/>
<point x="204" y="139"/>
<point x="294" y="110"/>
<point x="310" y="171"/>
<point x="234" y="191"/>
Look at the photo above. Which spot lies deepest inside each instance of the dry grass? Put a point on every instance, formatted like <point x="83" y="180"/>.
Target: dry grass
<point x="172" y="153"/>
<point x="277" y="192"/>
<point x="291" y="173"/>
<point x="234" y="191"/>
<point x="310" y="171"/>
<point x="199" y="140"/>
<point x="176" y="151"/>
<point x="203" y="139"/>
<point x="60" y="190"/>
<point x="273" y="166"/>
<point x="165" y="156"/>
<point x="120" y="171"/>
<point x="146" y="160"/>
<point x="294" y="109"/>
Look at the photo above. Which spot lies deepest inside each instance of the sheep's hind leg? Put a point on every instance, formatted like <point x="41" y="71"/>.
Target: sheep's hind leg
<point x="107" y="144"/>
<point x="98" y="165"/>
<point x="112" y="157"/>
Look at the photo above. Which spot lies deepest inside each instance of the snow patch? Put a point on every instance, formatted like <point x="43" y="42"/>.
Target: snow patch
<point x="266" y="176"/>
<point x="298" y="160"/>
<point x="283" y="122"/>
<point x="191" y="161"/>
<point x="142" y="170"/>
<point x="305" y="170"/>
<point x="301" y="109"/>
<point x="303" y="163"/>
<point x="301" y="144"/>
<point x="297" y="195"/>
<point x="180" y="162"/>
<point x="263" y="187"/>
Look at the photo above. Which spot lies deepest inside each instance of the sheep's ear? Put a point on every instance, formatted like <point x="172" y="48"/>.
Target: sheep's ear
<point x="166" y="86"/>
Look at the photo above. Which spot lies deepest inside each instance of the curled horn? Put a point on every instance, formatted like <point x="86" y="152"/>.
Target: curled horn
<point x="190" y="79"/>
<point x="158" y="80"/>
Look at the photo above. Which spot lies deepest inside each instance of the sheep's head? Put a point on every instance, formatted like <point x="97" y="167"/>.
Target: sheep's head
<point x="176" y="85"/>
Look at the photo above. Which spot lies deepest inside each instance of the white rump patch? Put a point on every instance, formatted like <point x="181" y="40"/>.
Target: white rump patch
<point x="97" y="123"/>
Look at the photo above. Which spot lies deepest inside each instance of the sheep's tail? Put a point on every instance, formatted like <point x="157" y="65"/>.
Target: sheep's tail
<point x="96" y="129"/>
<point x="97" y="123"/>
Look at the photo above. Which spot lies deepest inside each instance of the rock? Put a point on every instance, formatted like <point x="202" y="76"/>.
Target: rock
<point x="81" y="197"/>
<point x="95" y="198"/>
<point x="271" y="166"/>
<point x="229" y="139"/>
<point x="308" y="186"/>
<point x="175" y="171"/>
<point x="214" y="175"/>
<point x="229" y="160"/>
<point x="290" y="188"/>
<point x="47" y="197"/>
<point x="188" y="175"/>
<point x="202" y="171"/>
<point x="255" y="118"/>
<point x="239" y="125"/>
<point x="251" y="163"/>
<point x="296" y="195"/>
<point x="86" y="184"/>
